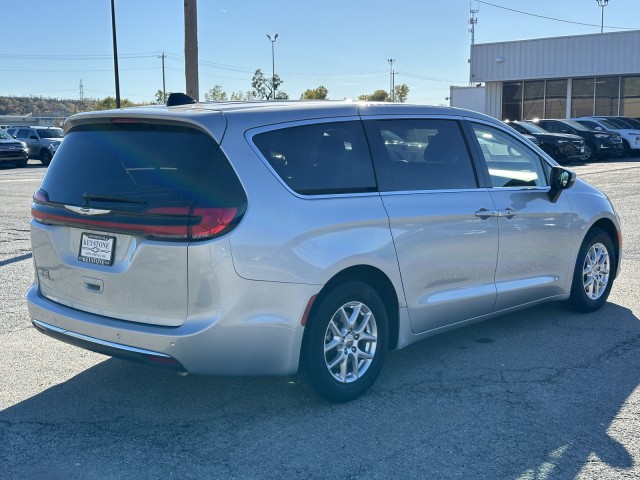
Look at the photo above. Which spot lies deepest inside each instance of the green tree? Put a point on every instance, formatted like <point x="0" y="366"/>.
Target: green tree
<point x="240" y="96"/>
<point x="319" y="93"/>
<point x="401" y="92"/>
<point x="216" y="94"/>
<point x="161" y="98"/>
<point x="109" y="103"/>
<point x="377" y="96"/>
<point x="263" y="87"/>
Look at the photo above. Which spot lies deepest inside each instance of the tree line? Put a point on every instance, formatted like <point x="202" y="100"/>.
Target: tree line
<point x="262" y="88"/>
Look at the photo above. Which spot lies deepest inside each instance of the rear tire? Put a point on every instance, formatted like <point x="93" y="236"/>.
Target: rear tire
<point x="345" y="343"/>
<point x="594" y="272"/>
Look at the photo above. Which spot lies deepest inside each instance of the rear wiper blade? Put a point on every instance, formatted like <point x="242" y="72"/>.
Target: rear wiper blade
<point x="110" y="198"/>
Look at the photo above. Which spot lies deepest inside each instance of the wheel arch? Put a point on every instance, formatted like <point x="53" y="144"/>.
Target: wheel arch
<point x="610" y="229"/>
<point x="377" y="280"/>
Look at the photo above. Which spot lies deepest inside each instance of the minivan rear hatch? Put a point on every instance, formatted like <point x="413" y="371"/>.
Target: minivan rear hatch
<point x="116" y="212"/>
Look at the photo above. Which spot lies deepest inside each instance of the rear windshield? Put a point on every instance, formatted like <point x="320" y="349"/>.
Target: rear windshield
<point x="133" y="166"/>
<point x="50" y="132"/>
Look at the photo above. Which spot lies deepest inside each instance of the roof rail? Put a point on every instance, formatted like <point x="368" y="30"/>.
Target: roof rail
<point x="178" y="98"/>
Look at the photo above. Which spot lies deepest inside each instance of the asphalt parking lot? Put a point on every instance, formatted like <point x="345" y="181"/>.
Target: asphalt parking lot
<point x="540" y="394"/>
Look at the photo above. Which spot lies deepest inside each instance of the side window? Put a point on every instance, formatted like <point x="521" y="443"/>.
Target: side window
<point x="511" y="163"/>
<point x="320" y="158"/>
<point x="423" y="154"/>
<point x="22" y="133"/>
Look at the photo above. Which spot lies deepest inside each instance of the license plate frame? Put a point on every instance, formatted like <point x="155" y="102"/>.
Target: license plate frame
<point x="97" y="249"/>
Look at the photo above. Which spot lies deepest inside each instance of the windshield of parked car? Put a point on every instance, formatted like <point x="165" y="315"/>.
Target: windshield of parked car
<point x="576" y="125"/>
<point x="610" y="125"/>
<point x="50" y="133"/>
<point x="5" y="136"/>
<point x="625" y="122"/>
<point x="531" y="128"/>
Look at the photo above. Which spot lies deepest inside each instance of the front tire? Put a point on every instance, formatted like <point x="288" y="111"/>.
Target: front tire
<point x="345" y="343"/>
<point x="45" y="157"/>
<point x="594" y="272"/>
<point x="589" y="152"/>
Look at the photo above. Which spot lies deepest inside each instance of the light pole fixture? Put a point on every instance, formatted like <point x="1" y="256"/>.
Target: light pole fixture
<point x="602" y="4"/>
<point x="391" y="92"/>
<point x="273" y="65"/>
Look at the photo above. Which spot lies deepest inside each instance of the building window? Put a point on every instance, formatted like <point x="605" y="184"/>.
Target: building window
<point x="555" y="105"/>
<point x="630" y="101"/>
<point x="512" y="101"/>
<point x="533" y="105"/>
<point x="607" y="95"/>
<point x="582" y="97"/>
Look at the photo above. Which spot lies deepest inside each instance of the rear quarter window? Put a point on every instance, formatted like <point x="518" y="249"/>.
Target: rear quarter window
<point x="320" y="158"/>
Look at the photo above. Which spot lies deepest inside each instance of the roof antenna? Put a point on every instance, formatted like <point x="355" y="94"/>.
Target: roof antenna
<point x="178" y="98"/>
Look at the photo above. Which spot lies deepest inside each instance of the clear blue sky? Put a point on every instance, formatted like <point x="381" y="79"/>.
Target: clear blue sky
<point x="340" y="44"/>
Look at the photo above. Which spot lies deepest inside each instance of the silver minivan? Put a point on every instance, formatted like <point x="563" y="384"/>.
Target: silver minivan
<point x="273" y="238"/>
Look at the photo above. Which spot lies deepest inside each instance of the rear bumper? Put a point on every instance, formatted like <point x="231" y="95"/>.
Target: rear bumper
<point x="234" y="342"/>
<point x="108" y="348"/>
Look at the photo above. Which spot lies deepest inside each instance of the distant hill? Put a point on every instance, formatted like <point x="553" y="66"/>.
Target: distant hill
<point x="54" y="107"/>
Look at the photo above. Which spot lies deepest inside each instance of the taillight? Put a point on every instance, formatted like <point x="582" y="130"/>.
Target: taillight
<point x="211" y="221"/>
<point x="171" y="223"/>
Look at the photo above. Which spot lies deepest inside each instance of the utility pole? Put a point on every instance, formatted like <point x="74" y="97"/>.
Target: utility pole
<point x="391" y="79"/>
<point x="191" y="48"/>
<point x="273" y="65"/>
<point x="472" y="29"/>
<point x="115" y="53"/>
<point x="164" y="90"/>
<point x="81" y="91"/>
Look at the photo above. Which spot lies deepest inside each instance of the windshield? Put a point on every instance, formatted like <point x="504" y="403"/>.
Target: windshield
<point x="531" y="128"/>
<point x="50" y="132"/>
<point x="610" y="125"/>
<point x="625" y="122"/>
<point x="5" y="136"/>
<point x="576" y="125"/>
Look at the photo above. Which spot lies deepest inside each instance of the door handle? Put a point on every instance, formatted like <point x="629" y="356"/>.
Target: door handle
<point x="484" y="213"/>
<point x="507" y="212"/>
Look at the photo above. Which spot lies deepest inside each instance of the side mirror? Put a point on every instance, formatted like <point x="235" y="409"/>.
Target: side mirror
<point x="599" y="129"/>
<point x="560" y="179"/>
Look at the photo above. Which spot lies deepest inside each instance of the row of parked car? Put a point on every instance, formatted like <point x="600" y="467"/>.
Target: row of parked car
<point x="584" y="138"/>
<point x="19" y="143"/>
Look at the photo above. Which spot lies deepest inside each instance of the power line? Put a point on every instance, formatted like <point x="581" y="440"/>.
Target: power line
<point x="549" y="18"/>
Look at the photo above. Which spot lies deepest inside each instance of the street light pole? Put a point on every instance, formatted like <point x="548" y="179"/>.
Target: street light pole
<point x="273" y="65"/>
<point x="391" y="92"/>
<point x="115" y="53"/>
<point x="602" y="4"/>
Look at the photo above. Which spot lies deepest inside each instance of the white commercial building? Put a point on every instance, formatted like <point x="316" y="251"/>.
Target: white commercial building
<point x="559" y="77"/>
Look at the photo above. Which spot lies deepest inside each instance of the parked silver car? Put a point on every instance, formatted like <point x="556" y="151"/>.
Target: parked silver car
<point x="304" y="237"/>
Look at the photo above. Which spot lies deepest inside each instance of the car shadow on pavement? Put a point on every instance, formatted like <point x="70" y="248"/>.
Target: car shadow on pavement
<point x="540" y="393"/>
